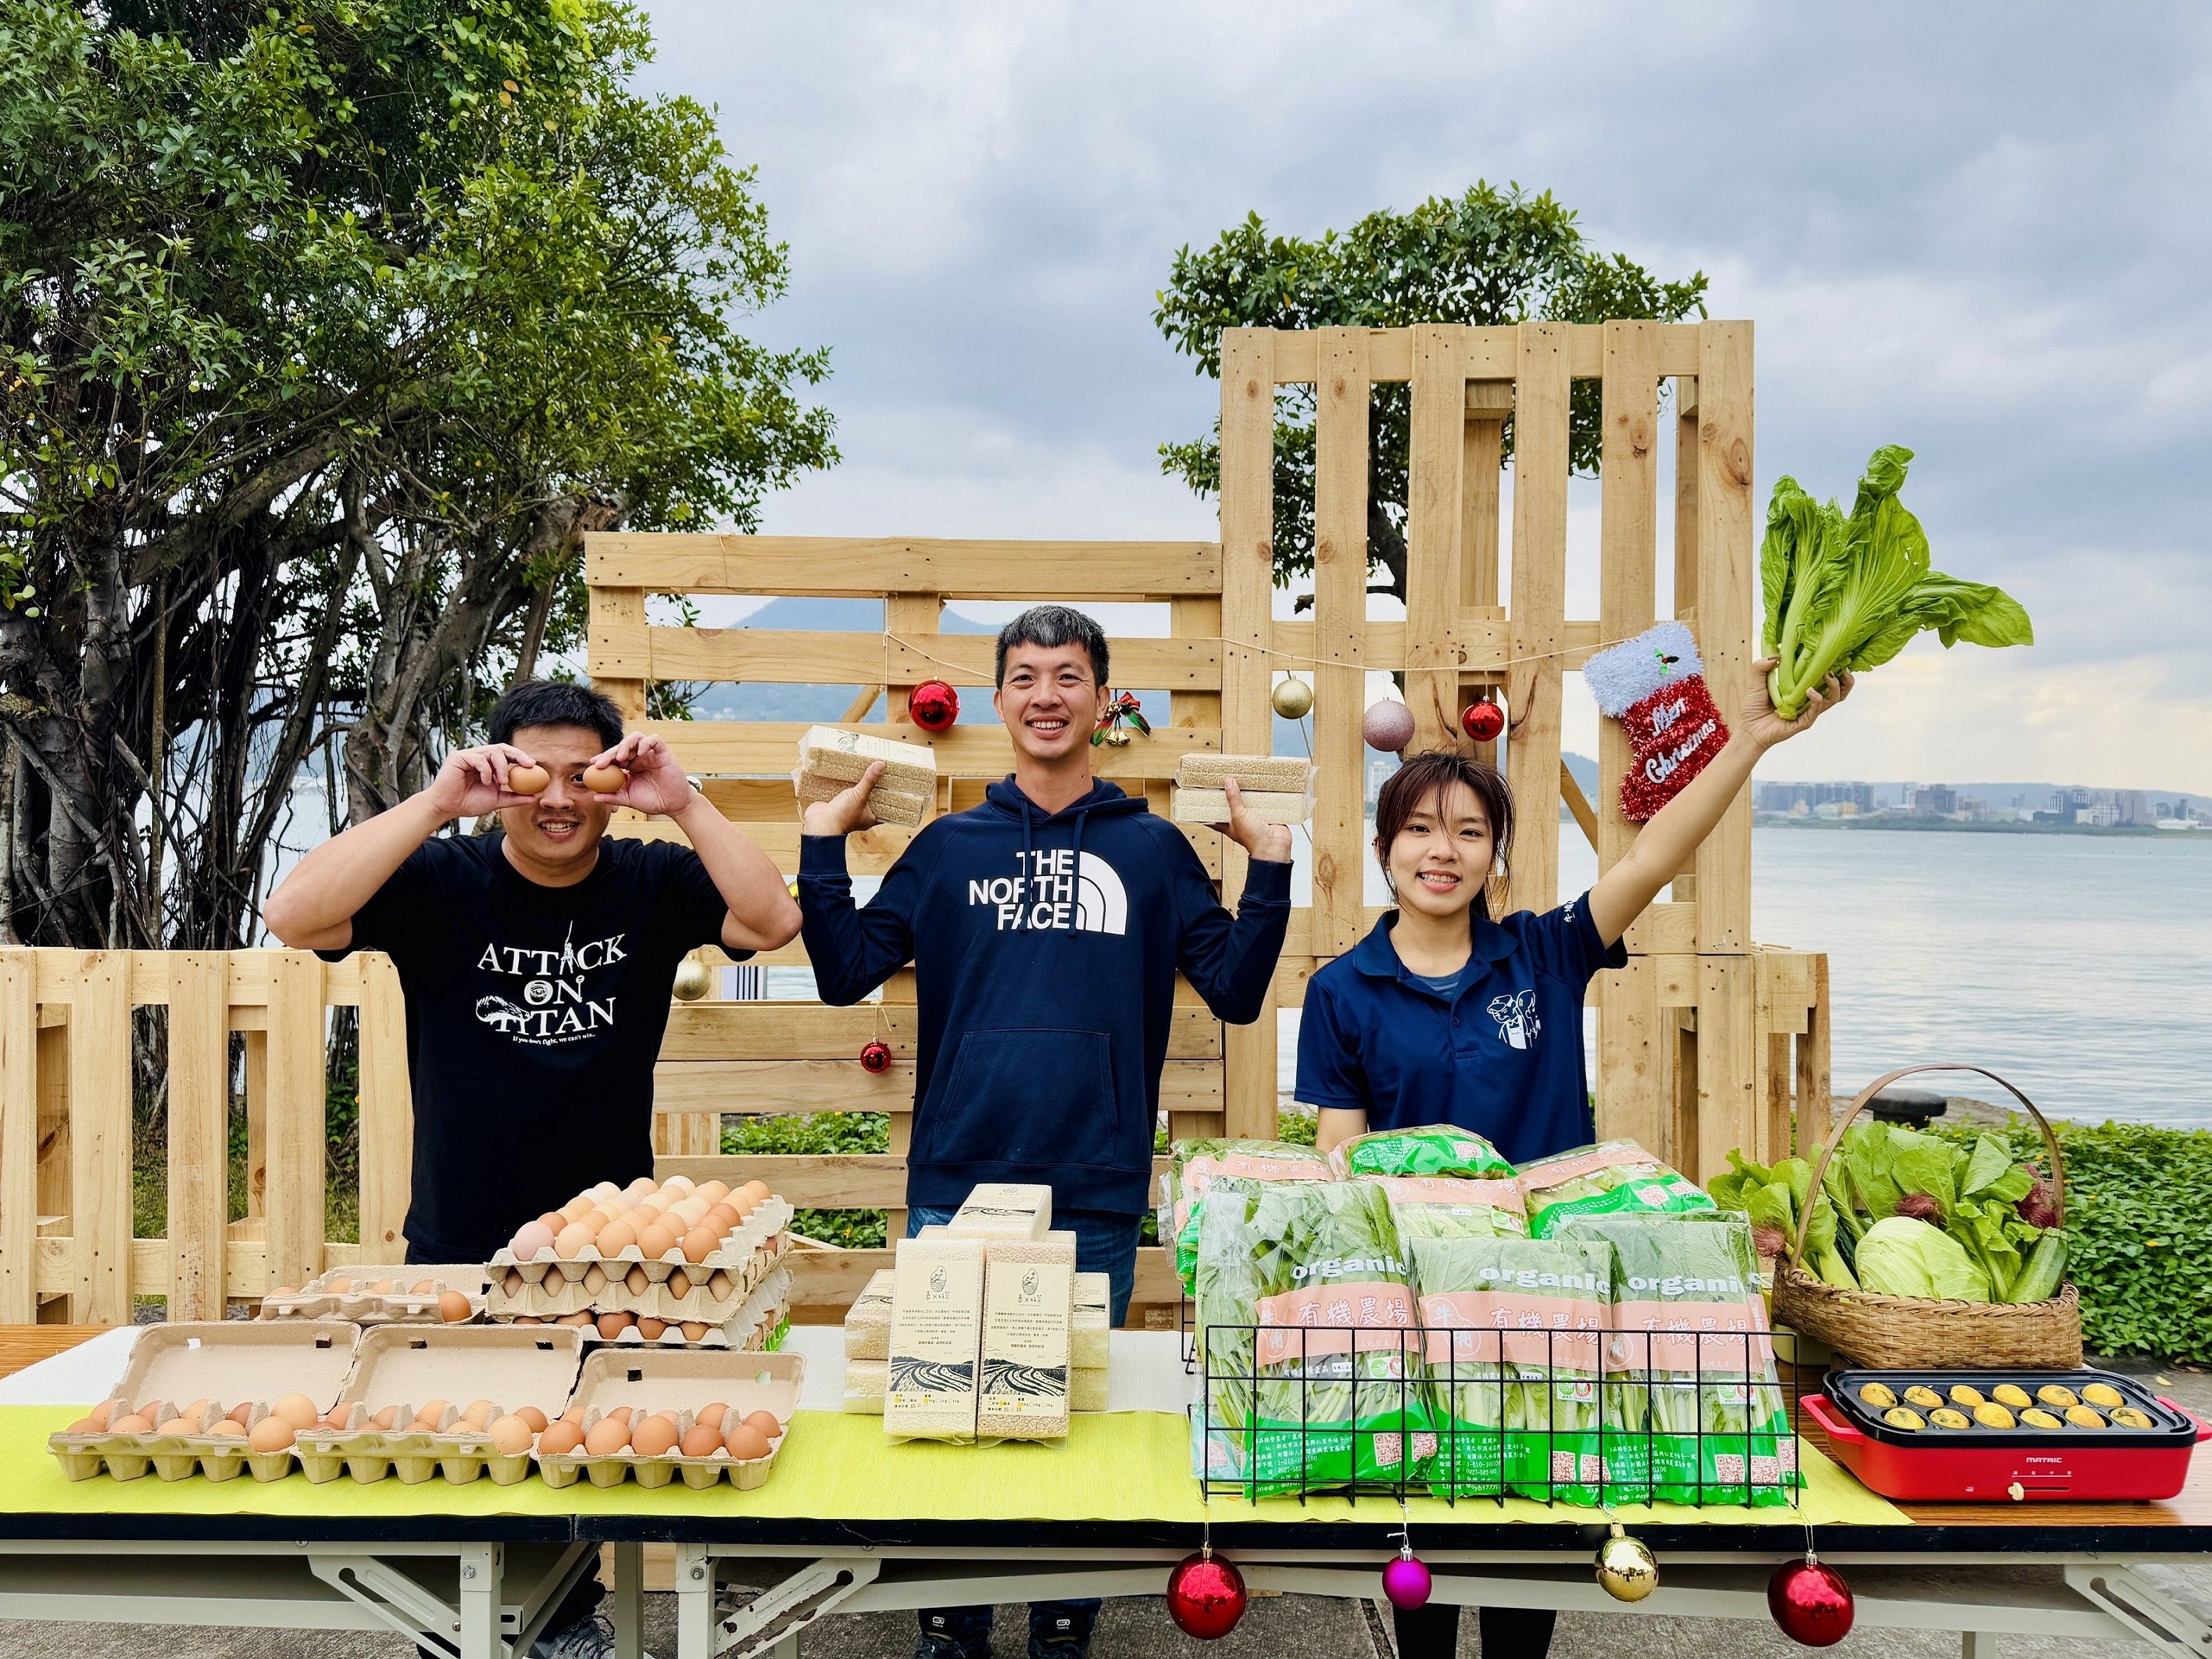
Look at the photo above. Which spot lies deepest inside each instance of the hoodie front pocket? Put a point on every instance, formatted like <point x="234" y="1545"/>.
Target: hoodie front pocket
<point x="1033" y="1097"/>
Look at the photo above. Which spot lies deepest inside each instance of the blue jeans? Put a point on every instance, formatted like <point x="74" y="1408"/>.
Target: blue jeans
<point x="1105" y="1244"/>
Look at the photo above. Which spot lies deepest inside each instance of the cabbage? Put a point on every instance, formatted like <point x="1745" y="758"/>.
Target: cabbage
<point x="1900" y="1257"/>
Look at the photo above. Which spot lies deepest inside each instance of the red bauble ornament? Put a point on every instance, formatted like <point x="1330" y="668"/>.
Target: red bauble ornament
<point x="1483" y="720"/>
<point x="1205" y="1596"/>
<point x="1811" y="1603"/>
<point x="877" y="1056"/>
<point x="932" y="706"/>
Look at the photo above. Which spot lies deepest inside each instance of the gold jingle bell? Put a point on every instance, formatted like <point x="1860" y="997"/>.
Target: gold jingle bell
<point x="692" y="980"/>
<point x="1626" y="1568"/>
<point x="1292" y="699"/>
<point x="1118" y="737"/>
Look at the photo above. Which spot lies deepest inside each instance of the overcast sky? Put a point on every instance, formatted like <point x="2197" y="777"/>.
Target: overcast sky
<point x="1980" y="231"/>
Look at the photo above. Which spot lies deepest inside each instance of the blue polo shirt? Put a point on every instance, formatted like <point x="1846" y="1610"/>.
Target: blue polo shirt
<point x="1503" y="1056"/>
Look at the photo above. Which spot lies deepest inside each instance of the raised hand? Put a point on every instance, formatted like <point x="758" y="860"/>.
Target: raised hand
<point x="473" y="781"/>
<point x="1766" y="728"/>
<point x="843" y="813"/>
<point x="1271" y="841"/>
<point x="656" y="782"/>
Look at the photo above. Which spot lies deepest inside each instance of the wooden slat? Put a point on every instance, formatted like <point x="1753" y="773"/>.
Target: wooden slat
<point x="1198" y="618"/>
<point x="22" y="1344"/>
<point x="1539" y="609"/>
<point x="1247" y="588"/>
<point x="1727" y="576"/>
<point x="1685" y="494"/>
<point x="297" y="1121"/>
<point x="100" y="1141"/>
<point x="855" y="566"/>
<point x="387" y="1110"/>
<point x="1482" y="643"/>
<point x="1490" y="353"/>
<point x="1727" y="1105"/>
<point x="1585" y="816"/>
<point x="198" y="1134"/>
<point x="1340" y="626"/>
<point x="1813" y="1086"/>
<point x="1631" y="1104"/>
<point x="780" y="657"/>
<point x="19" y="1137"/>
<point x="1432" y="532"/>
<point x="853" y="1181"/>
<point x="767" y="749"/>
<point x="619" y="610"/>
<point x="1627" y="549"/>
<point x="772" y="1088"/>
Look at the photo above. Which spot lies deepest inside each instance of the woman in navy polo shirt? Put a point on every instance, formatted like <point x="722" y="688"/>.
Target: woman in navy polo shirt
<point x="1446" y="1014"/>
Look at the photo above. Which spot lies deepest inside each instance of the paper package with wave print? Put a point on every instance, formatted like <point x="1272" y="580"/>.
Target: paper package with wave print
<point x="936" y="1342"/>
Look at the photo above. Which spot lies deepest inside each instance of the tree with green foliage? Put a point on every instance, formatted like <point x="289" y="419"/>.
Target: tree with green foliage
<point x="1489" y="257"/>
<point x="329" y="331"/>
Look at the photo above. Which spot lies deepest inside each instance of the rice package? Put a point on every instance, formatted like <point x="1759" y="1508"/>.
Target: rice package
<point x="1004" y="1209"/>
<point x="1027" y="1305"/>
<point x="1515" y="1348"/>
<point x="1438" y="1207"/>
<point x="1305" y="1316"/>
<point x="1435" y="1149"/>
<point x="1693" y="1405"/>
<point x="868" y="1321"/>
<point x="1611" y="1178"/>
<point x="1199" y="1164"/>
<point x="930" y="1389"/>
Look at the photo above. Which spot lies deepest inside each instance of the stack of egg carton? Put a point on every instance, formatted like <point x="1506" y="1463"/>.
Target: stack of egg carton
<point x="408" y="1295"/>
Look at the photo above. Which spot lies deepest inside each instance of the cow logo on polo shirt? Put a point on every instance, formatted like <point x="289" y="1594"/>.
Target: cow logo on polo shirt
<point x="1517" y="1024"/>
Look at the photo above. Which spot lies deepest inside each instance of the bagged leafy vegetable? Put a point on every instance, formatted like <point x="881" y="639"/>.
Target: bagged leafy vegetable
<point x="1435" y="1206"/>
<point x="1199" y="1164"/>
<point x="1693" y="1411"/>
<point x="1306" y="1323"/>
<point x="1515" y="1333"/>
<point x="1848" y="593"/>
<point x="1611" y="1177"/>
<point x="1436" y="1149"/>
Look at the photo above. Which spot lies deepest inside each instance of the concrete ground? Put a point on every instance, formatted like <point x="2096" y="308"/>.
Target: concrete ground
<point x="1277" y="1627"/>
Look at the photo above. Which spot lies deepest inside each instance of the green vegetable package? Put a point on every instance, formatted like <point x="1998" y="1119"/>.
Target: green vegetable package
<point x="1305" y="1323"/>
<point x="1613" y="1177"/>
<point x="1433" y="1206"/>
<point x="1435" y="1149"/>
<point x="1199" y="1164"/>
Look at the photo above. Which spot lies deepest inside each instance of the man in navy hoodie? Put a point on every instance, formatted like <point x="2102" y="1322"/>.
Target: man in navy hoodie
<point x="1046" y="928"/>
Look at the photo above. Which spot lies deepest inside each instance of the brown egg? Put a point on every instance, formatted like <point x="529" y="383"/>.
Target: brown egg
<point x="477" y="1414"/>
<point x="429" y="1286"/>
<point x="511" y="1434"/>
<point x="616" y="1236"/>
<point x="104" y="1414"/>
<point x="560" y="1438"/>
<point x="86" y="1426"/>
<point x="678" y="1283"/>
<point x="637" y="1281"/>
<point x="681" y="1183"/>
<point x="452" y="1307"/>
<point x="572" y="1241"/>
<point x="240" y="1414"/>
<point x="169" y="1422"/>
<point x="595" y="1279"/>
<point x="528" y="1319"/>
<point x="743" y="1203"/>
<point x="574" y="1210"/>
<point x="386" y="1419"/>
<point x="339" y="1285"/>
<point x="650" y="1329"/>
<point x="609" y="1434"/>
<point x="720" y="1284"/>
<point x="759" y="1190"/>
<point x="722" y="1218"/>
<point x="514" y="1282"/>
<point x="382" y="1287"/>
<point x="579" y="1318"/>
<point x="271" y="1433"/>
<point x="656" y="1241"/>
<point x="703" y="1440"/>
<point x="766" y="1422"/>
<point x="431" y="1417"/>
<point x="691" y="1211"/>
<point x="134" y="1424"/>
<point x="612" y="1325"/>
<point x="693" y="1329"/>
<point x="605" y="780"/>
<point x="527" y="780"/>
<point x="553" y="1221"/>
<point x="297" y="1410"/>
<point x="711" y="1415"/>
<point x="654" y="1438"/>
<point x="746" y="1441"/>
<point x="533" y="1416"/>
<point x="699" y="1243"/>
<point x="194" y="1415"/>
<point x="226" y="1430"/>
<point x="713" y="1191"/>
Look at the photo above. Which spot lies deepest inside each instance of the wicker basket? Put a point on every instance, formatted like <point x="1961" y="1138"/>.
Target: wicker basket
<point x="1900" y="1332"/>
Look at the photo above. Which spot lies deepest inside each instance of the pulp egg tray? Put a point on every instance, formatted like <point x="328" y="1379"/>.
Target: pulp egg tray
<point x="319" y="1299"/>
<point x="757" y="1319"/>
<point x="222" y="1363"/>
<point x="685" y="1381"/>
<point x="585" y="1285"/>
<point x="768" y="1219"/>
<point x="410" y="1366"/>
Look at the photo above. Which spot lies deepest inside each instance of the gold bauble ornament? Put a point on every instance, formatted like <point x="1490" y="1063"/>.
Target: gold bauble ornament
<point x="1293" y="698"/>
<point x="1626" y="1568"/>
<point x="692" y="982"/>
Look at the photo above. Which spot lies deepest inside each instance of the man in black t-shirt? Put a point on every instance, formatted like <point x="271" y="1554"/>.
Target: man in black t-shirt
<point x="537" y="960"/>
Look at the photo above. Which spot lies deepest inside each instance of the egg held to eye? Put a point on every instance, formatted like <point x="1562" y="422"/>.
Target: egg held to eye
<point x="605" y="780"/>
<point x="528" y="780"/>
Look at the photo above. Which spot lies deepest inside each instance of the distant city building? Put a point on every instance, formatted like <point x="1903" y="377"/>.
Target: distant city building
<point x="1936" y="800"/>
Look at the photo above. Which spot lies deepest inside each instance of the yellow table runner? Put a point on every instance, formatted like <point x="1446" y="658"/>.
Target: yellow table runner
<point x="1124" y="1466"/>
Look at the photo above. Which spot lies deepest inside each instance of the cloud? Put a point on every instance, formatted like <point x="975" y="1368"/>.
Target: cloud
<point x="1963" y="228"/>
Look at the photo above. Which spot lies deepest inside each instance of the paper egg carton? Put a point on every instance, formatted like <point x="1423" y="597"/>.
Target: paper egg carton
<point x="319" y="1299"/>
<point x="608" y="1288"/>
<point x="223" y="1363"/>
<point x="548" y="1277"/>
<point x="407" y="1367"/>
<point x="685" y="1381"/>
<point x="756" y="1321"/>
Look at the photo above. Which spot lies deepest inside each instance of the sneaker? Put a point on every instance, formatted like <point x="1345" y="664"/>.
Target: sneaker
<point x="929" y="1646"/>
<point x="1063" y="1635"/>
<point x="592" y="1637"/>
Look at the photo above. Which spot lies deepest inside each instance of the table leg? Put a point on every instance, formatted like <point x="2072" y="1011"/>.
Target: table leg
<point x="695" y="1603"/>
<point x="479" y="1600"/>
<point x="629" y="1600"/>
<point x="1977" y="1644"/>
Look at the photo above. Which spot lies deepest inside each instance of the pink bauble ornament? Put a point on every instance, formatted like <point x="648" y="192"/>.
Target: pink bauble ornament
<point x="1406" y="1582"/>
<point x="1811" y="1603"/>
<point x="1388" y="727"/>
<point x="932" y="706"/>
<point x="876" y="1057"/>
<point x="1205" y="1596"/>
<point x="1482" y="720"/>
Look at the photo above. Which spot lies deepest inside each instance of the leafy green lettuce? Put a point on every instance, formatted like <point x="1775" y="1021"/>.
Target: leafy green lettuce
<point x="1848" y="594"/>
<point x="1775" y="1198"/>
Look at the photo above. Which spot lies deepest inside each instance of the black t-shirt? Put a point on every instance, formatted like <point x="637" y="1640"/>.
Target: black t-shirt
<point x="534" y="1017"/>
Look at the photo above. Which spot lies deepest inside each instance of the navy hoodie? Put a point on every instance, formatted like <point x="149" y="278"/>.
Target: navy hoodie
<point x="1045" y="949"/>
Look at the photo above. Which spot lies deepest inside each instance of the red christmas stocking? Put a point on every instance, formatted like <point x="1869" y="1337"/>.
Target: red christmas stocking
<point x="1655" y="686"/>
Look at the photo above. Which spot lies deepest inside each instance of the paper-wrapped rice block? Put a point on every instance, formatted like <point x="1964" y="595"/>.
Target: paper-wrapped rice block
<point x="864" y="1386"/>
<point x="868" y="1321"/>
<point x="1090" y="1327"/>
<point x="829" y="752"/>
<point x="899" y="806"/>
<point x="1267" y="774"/>
<point x="937" y="1329"/>
<point x="1086" y="1389"/>
<point x="1211" y="806"/>
<point x="1005" y="1209"/>
<point x="1027" y="1302"/>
